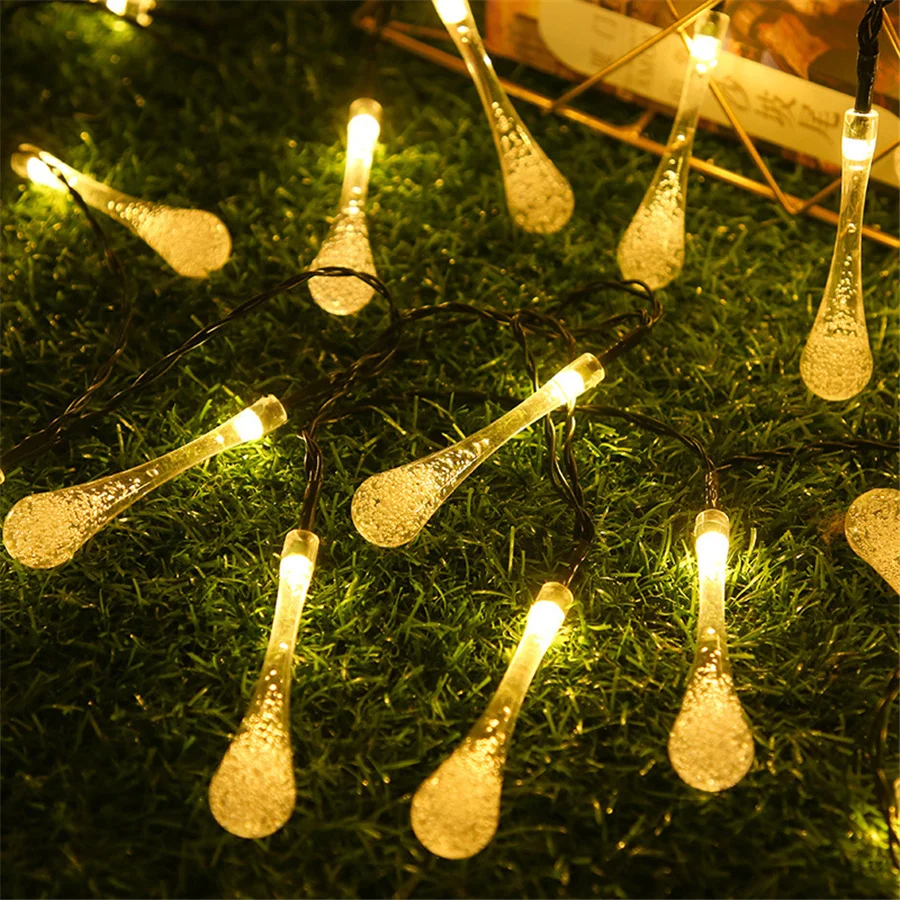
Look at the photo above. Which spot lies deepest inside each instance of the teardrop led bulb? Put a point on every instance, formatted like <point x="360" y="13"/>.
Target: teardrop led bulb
<point x="539" y="198"/>
<point x="652" y="248"/>
<point x="391" y="508"/>
<point x="710" y="745"/>
<point x="872" y="527"/>
<point x="347" y="243"/>
<point x="836" y="363"/>
<point x="46" y="530"/>
<point x="192" y="241"/>
<point x="456" y="810"/>
<point x="252" y="793"/>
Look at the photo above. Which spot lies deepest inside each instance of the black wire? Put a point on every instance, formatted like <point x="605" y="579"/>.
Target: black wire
<point x="824" y="446"/>
<point x="54" y="432"/>
<point x="867" y="55"/>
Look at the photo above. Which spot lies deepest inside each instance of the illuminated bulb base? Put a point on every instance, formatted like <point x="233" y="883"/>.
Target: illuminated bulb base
<point x="872" y="527"/>
<point x="711" y="746"/>
<point x="456" y="811"/>
<point x="253" y="793"/>
<point x="347" y="245"/>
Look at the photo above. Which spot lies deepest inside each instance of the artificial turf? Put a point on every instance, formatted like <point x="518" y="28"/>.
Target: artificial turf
<point x="125" y="671"/>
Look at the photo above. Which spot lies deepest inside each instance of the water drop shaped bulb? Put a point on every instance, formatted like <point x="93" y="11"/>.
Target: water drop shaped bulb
<point x="192" y="241"/>
<point x="252" y="793"/>
<point x="872" y="528"/>
<point x="652" y="248"/>
<point x="456" y="810"/>
<point x="710" y="745"/>
<point x="539" y="198"/>
<point x="391" y="508"/>
<point x="836" y="363"/>
<point x="347" y="243"/>
<point x="46" y="530"/>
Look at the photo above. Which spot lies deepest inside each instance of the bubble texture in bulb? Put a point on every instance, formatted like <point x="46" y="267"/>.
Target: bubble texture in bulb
<point x="456" y="810"/>
<point x="539" y="198"/>
<point x="711" y="745"/>
<point x="252" y="793"/>
<point x="391" y="508"/>
<point x="347" y="243"/>
<point x="872" y="527"/>
<point x="193" y="242"/>
<point x="46" y="530"/>
<point x="652" y="248"/>
<point x="836" y="363"/>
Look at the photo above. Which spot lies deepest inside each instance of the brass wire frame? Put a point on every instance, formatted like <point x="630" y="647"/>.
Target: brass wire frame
<point x="407" y="37"/>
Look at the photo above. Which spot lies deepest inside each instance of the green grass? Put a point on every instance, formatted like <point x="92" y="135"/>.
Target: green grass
<point x="125" y="671"/>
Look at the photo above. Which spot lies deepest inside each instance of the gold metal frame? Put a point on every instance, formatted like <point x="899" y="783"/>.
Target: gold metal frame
<point x="408" y="37"/>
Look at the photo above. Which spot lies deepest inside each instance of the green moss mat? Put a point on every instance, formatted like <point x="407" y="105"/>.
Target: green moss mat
<point x="125" y="671"/>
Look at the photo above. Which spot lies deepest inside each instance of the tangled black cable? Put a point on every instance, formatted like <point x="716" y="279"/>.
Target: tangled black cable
<point x="867" y="55"/>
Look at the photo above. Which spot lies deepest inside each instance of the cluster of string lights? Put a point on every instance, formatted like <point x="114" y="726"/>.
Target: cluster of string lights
<point x="455" y="812"/>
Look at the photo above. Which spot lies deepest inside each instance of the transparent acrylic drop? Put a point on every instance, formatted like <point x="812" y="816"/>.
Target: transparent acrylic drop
<point x="46" y="530"/>
<point x="347" y="243"/>
<point x="391" y="508"/>
<point x="872" y="527"/>
<point x="193" y="242"/>
<point x="836" y="363"/>
<point x="252" y="793"/>
<point x="711" y="745"/>
<point x="456" y="810"/>
<point x="652" y="248"/>
<point x="539" y="198"/>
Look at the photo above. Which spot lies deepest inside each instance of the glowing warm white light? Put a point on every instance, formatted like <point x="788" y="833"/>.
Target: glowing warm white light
<point x="456" y="810"/>
<point x="711" y="746"/>
<point x="539" y="198"/>
<point x="45" y="530"/>
<point x="452" y="12"/>
<point x="192" y="241"/>
<point x="252" y="793"/>
<point x="347" y="243"/>
<point x="705" y="49"/>
<point x="139" y="10"/>
<point x="652" y="248"/>
<point x="872" y="527"/>
<point x="391" y="508"/>
<point x="836" y="363"/>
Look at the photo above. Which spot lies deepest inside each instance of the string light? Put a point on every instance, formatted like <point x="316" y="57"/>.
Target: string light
<point x="538" y="196"/>
<point x="456" y="810"/>
<point x="252" y="793"/>
<point x="836" y="363"/>
<point x="391" y="508"/>
<point x="652" y="248"/>
<point x="710" y="746"/>
<point x="192" y="241"/>
<point x="347" y="243"/>
<point x="46" y="530"/>
<point x="872" y="527"/>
